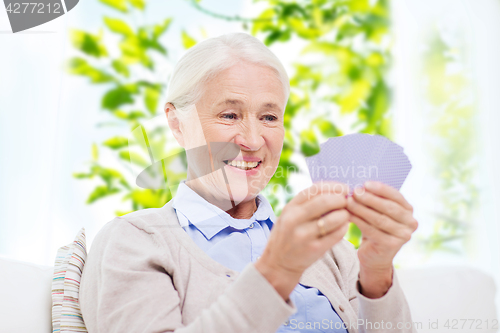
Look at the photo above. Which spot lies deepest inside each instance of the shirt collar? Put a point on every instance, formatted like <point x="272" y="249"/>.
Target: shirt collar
<point x="210" y="219"/>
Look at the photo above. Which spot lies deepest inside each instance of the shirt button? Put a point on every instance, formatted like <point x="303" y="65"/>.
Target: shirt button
<point x="286" y="322"/>
<point x="258" y="257"/>
<point x="251" y="226"/>
<point x="341" y="308"/>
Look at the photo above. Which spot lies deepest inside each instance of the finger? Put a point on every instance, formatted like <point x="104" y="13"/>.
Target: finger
<point x="379" y="221"/>
<point x="335" y="220"/>
<point x="318" y="188"/>
<point x="373" y="233"/>
<point x="384" y="206"/>
<point x="310" y="230"/>
<point x="333" y="237"/>
<point x="389" y="192"/>
<point x="318" y="206"/>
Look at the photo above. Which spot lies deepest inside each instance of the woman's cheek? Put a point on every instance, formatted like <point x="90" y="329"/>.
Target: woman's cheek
<point x="275" y="140"/>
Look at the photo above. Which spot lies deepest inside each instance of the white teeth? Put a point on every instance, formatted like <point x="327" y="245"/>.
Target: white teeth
<point x="243" y="164"/>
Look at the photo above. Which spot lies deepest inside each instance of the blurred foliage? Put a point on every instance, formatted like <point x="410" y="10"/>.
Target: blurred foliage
<point x="452" y="141"/>
<point x="129" y="99"/>
<point x="341" y="71"/>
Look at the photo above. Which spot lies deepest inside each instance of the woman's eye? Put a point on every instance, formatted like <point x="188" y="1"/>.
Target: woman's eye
<point x="230" y="116"/>
<point x="270" y="118"/>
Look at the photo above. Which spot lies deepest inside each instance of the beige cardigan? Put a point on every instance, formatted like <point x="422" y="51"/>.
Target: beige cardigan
<point x="145" y="274"/>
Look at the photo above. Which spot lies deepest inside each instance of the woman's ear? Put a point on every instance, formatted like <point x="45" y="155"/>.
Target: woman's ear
<point x="174" y="123"/>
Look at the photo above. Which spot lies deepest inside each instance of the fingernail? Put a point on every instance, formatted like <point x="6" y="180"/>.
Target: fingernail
<point x="370" y="185"/>
<point x="359" y="191"/>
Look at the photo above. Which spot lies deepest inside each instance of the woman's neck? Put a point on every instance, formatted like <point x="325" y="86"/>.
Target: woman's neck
<point x="242" y="210"/>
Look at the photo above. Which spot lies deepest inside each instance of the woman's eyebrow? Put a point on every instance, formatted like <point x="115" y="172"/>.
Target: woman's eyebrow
<point x="270" y="105"/>
<point x="266" y="105"/>
<point x="230" y="101"/>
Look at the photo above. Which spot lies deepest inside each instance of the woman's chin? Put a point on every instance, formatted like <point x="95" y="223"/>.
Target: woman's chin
<point x="242" y="187"/>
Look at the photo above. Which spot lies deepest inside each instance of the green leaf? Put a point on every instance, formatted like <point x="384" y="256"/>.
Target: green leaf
<point x="300" y="29"/>
<point x="118" y="26"/>
<point x="134" y="158"/>
<point x="355" y="95"/>
<point x="134" y="51"/>
<point x="108" y="175"/>
<point x="277" y="35"/>
<point x="151" y="98"/>
<point x="362" y="6"/>
<point x="136" y="115"/>
<point x="328" y="48"/>
<point x="317" y="15"/>
<point x="288" y="142"/>
<point x="132" y="115"/>
<point x="146" y="42"/>
<point x="378" y="105"/>
<point x="140" y="4"/>
<point x="326" y="128"/>
<point x="101" y="192"/>
<point x="309" y="144"/>
<point x="95" y="152"/>
<point x="187" y="41"/>
<point x="120" y="114"/>
<point x="121" y="67"/>
<point x="120" y="5"/>
<point x="132" y="88"/>
<point x="121" y="213"/>
<point x="80" y="66"/>
<point x="148" y="198"/>
<point x="131" y="50"/>
<point x="293" y="9"/>
<point x="124" y="183"/>
<point x="116" y="97"/>
<point x="81" y="175"/>
<point x="354" y="235"/>
<point x="265" y="22"/>
<point x="145" y="83"/>
<point x="116" y="142"/>
<point x="153" y="44"/>
<point x="88" y="43"/>
<point x="159" y="29"/>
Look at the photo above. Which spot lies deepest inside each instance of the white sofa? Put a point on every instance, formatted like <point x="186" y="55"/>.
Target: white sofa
<point x="25" y="297"/>
<point x="433" y="294"/>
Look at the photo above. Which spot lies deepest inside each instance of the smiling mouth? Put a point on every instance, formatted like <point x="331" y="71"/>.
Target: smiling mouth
<point x="243" y="165"/>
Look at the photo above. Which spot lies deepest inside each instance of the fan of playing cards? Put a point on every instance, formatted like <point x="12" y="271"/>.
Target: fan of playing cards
<point x="355" y="158"/>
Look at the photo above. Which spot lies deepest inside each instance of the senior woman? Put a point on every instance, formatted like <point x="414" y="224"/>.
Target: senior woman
<point x="215" y="258"/>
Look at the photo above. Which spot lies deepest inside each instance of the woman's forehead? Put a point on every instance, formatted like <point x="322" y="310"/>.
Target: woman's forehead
<point x="239" y="93"/>
<point x="245" y="75"/>
<point x="239" y="102"/>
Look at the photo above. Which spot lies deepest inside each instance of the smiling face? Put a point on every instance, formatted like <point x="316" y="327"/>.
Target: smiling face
<point x="243" y="106"/>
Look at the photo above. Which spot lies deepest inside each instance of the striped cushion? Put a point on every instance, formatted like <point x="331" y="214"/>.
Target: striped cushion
<point x="66" y="313"/>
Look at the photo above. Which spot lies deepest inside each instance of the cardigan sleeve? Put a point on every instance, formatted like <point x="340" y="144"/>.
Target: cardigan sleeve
<point x="126" y="288"/>
<point x="389" y="313"/>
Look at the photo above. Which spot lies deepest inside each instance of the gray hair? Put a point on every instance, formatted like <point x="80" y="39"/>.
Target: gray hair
<point x="208" y="58"/>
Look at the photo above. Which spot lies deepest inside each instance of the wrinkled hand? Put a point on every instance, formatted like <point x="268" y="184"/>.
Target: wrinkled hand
<point x="294" y="242"/>
<point x="386" y="222"/>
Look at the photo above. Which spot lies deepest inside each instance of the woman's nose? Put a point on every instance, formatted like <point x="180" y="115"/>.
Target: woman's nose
<point x="250" y="137"/>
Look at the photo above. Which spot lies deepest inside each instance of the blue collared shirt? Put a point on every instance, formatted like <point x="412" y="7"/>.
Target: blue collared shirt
<point x="235" y="243"/>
